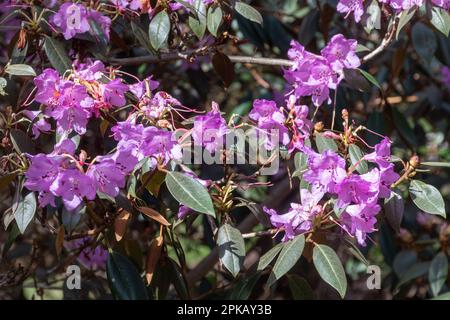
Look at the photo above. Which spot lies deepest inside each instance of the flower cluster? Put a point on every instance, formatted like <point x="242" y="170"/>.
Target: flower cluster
<point x="92" y="257"/>
<point x="60" y="174"/>
<point x="355" y="195"/>
<point x="290" y="124"/>
<point x="356" y="7"/>
<point x="87" y="91"/>
<point x="315" y="75"/>
<point x="75" y="18"/>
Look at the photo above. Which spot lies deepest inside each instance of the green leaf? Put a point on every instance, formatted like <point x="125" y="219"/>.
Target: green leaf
<point x="198" y="25"/>
<point x="405" y="17"/>
<point x="231" y="248"/>
<point x="444" y="296"/>
<point x="324" y="143"/>
<point x="437" y="274"/>
<point x="417" y="270"/>
<point x="190" y="192"/>
<point x="373" y="17"/>
<point x="24" y="212"/>
<point x="124" y="279"/>
<point x="330" y="268"/>
<point x="300" y="288"/>
<point x="424" y="42"/>
<point x="159" y="29"/>
<point x="213" y="19"/>
<point x="248" y="12"/>
<point x="393" y="208"/>
<point x="371" y="78"/>
<point x="356" y="155"/>
<point x="427" y="198"/>
<point x="441" y="20"/>
<point x="20" y="70"/>
<point x="244" y="286"/>
<point x="436" y="164"/>
<point x="289" y="255"/>
<point x="56" y="54"/>
<point x="21" y="142"/>
<point x="267" y="258"/>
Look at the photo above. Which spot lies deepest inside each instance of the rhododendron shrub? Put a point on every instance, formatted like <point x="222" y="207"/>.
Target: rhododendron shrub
<point x="177" y="149"/>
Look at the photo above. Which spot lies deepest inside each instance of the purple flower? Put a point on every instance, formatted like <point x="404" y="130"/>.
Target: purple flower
<point x="445" y="4"/>
<point x="299" y="219"/>
<point x="42" y="172"/>
<point x="72" y="185"/>
<point x="107" y="177"/>
<point x="210" y="129"/>
<point x="264" y="110"/>
<point x="325" y="170"/>
<point x="354" y="189"/>
<point x="74" y="18"/>
<point x="69" y="109"/>
<point x="359" y="220"/>
<point x="183" y="212"/>
<point x="139" y="89"/>
<point x="47" y="86"/>
<point x="159" y="143"/>
<point x="113" y="92"/>
<point x="340" y="53"/>
<point x="349" y="6"/>
<point x="445" y="72"/>
<point x="40" y="126"/>
<point x="71" y="18"/>
<point x="159" y="104"/>
<point x="89" y="71"/>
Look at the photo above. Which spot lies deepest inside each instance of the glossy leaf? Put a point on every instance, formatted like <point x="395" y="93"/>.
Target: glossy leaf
<point x="124" y="279"/>
<point x="427" y="198"/>
<point x="437" y="275"/>
<point x="213" y="19"/>
<point x="288" y="257"/>
<point x="24" y="212"/>
<point x="300" y="288"/>
<point x="190" y="192"/>
<point x="324" y="143"/>
<point x="159" y="29"/>
<point x="231" y="248"/>
<point x="198" y="24"/>
<point x="248" y="12"/>
<point x="356" y="156"/>
<point x="57" y="55"/>
<point x="440" y="19"/>
<point x="20" y="70"/>
<point x="393" y="208"/>
<point x="268" y="257"/>
<point x="330" y="268"/>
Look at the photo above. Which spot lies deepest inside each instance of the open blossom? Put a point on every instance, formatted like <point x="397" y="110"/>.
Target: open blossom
<point x="299" y="219"/>
<point x="75" y="18"/>
<point x="160" y="143"/>
<point x="89" y="70"/>
<point x="359" y="220"/>
<point x="107" y="177"/>
<point x="159" y="104"/>
<point x="139" y="89"/>
<point x="113" y="92"/>
<point x="315" y="75"/>
<point x="209" y="130"/>
<point x="351" y="6"/>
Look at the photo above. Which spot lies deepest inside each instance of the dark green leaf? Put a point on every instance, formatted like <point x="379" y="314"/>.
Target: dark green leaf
<point x="289" y="255"/>
<point x="248" y="12"/>
<point x="124" y="279"/>
<point x="198" y="25"/>
<point x="190" y="192"/>
<point x="300" y="288"/>
<point x="231" y="248"/>
<point x="267" y="258"/>
<point x="424" y="42"/>
<point x="21" y="142"/>
<point x="244" y="287"/>
<point x="371" y="78"/>
<point x="141" y="36"/>
<point x="427" y="198"/>
<point x="56" y="54"/>
<point x="330" y="268"/>
<point x="393" y="208"/>
<point x="405" y="17"/>
<point x="213" y="20"/>
<point x="436" y="164"/>
<point x="437" y="275"/>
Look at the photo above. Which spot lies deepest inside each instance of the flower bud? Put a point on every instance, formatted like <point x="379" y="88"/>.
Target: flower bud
<point x="318" y="126"/>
